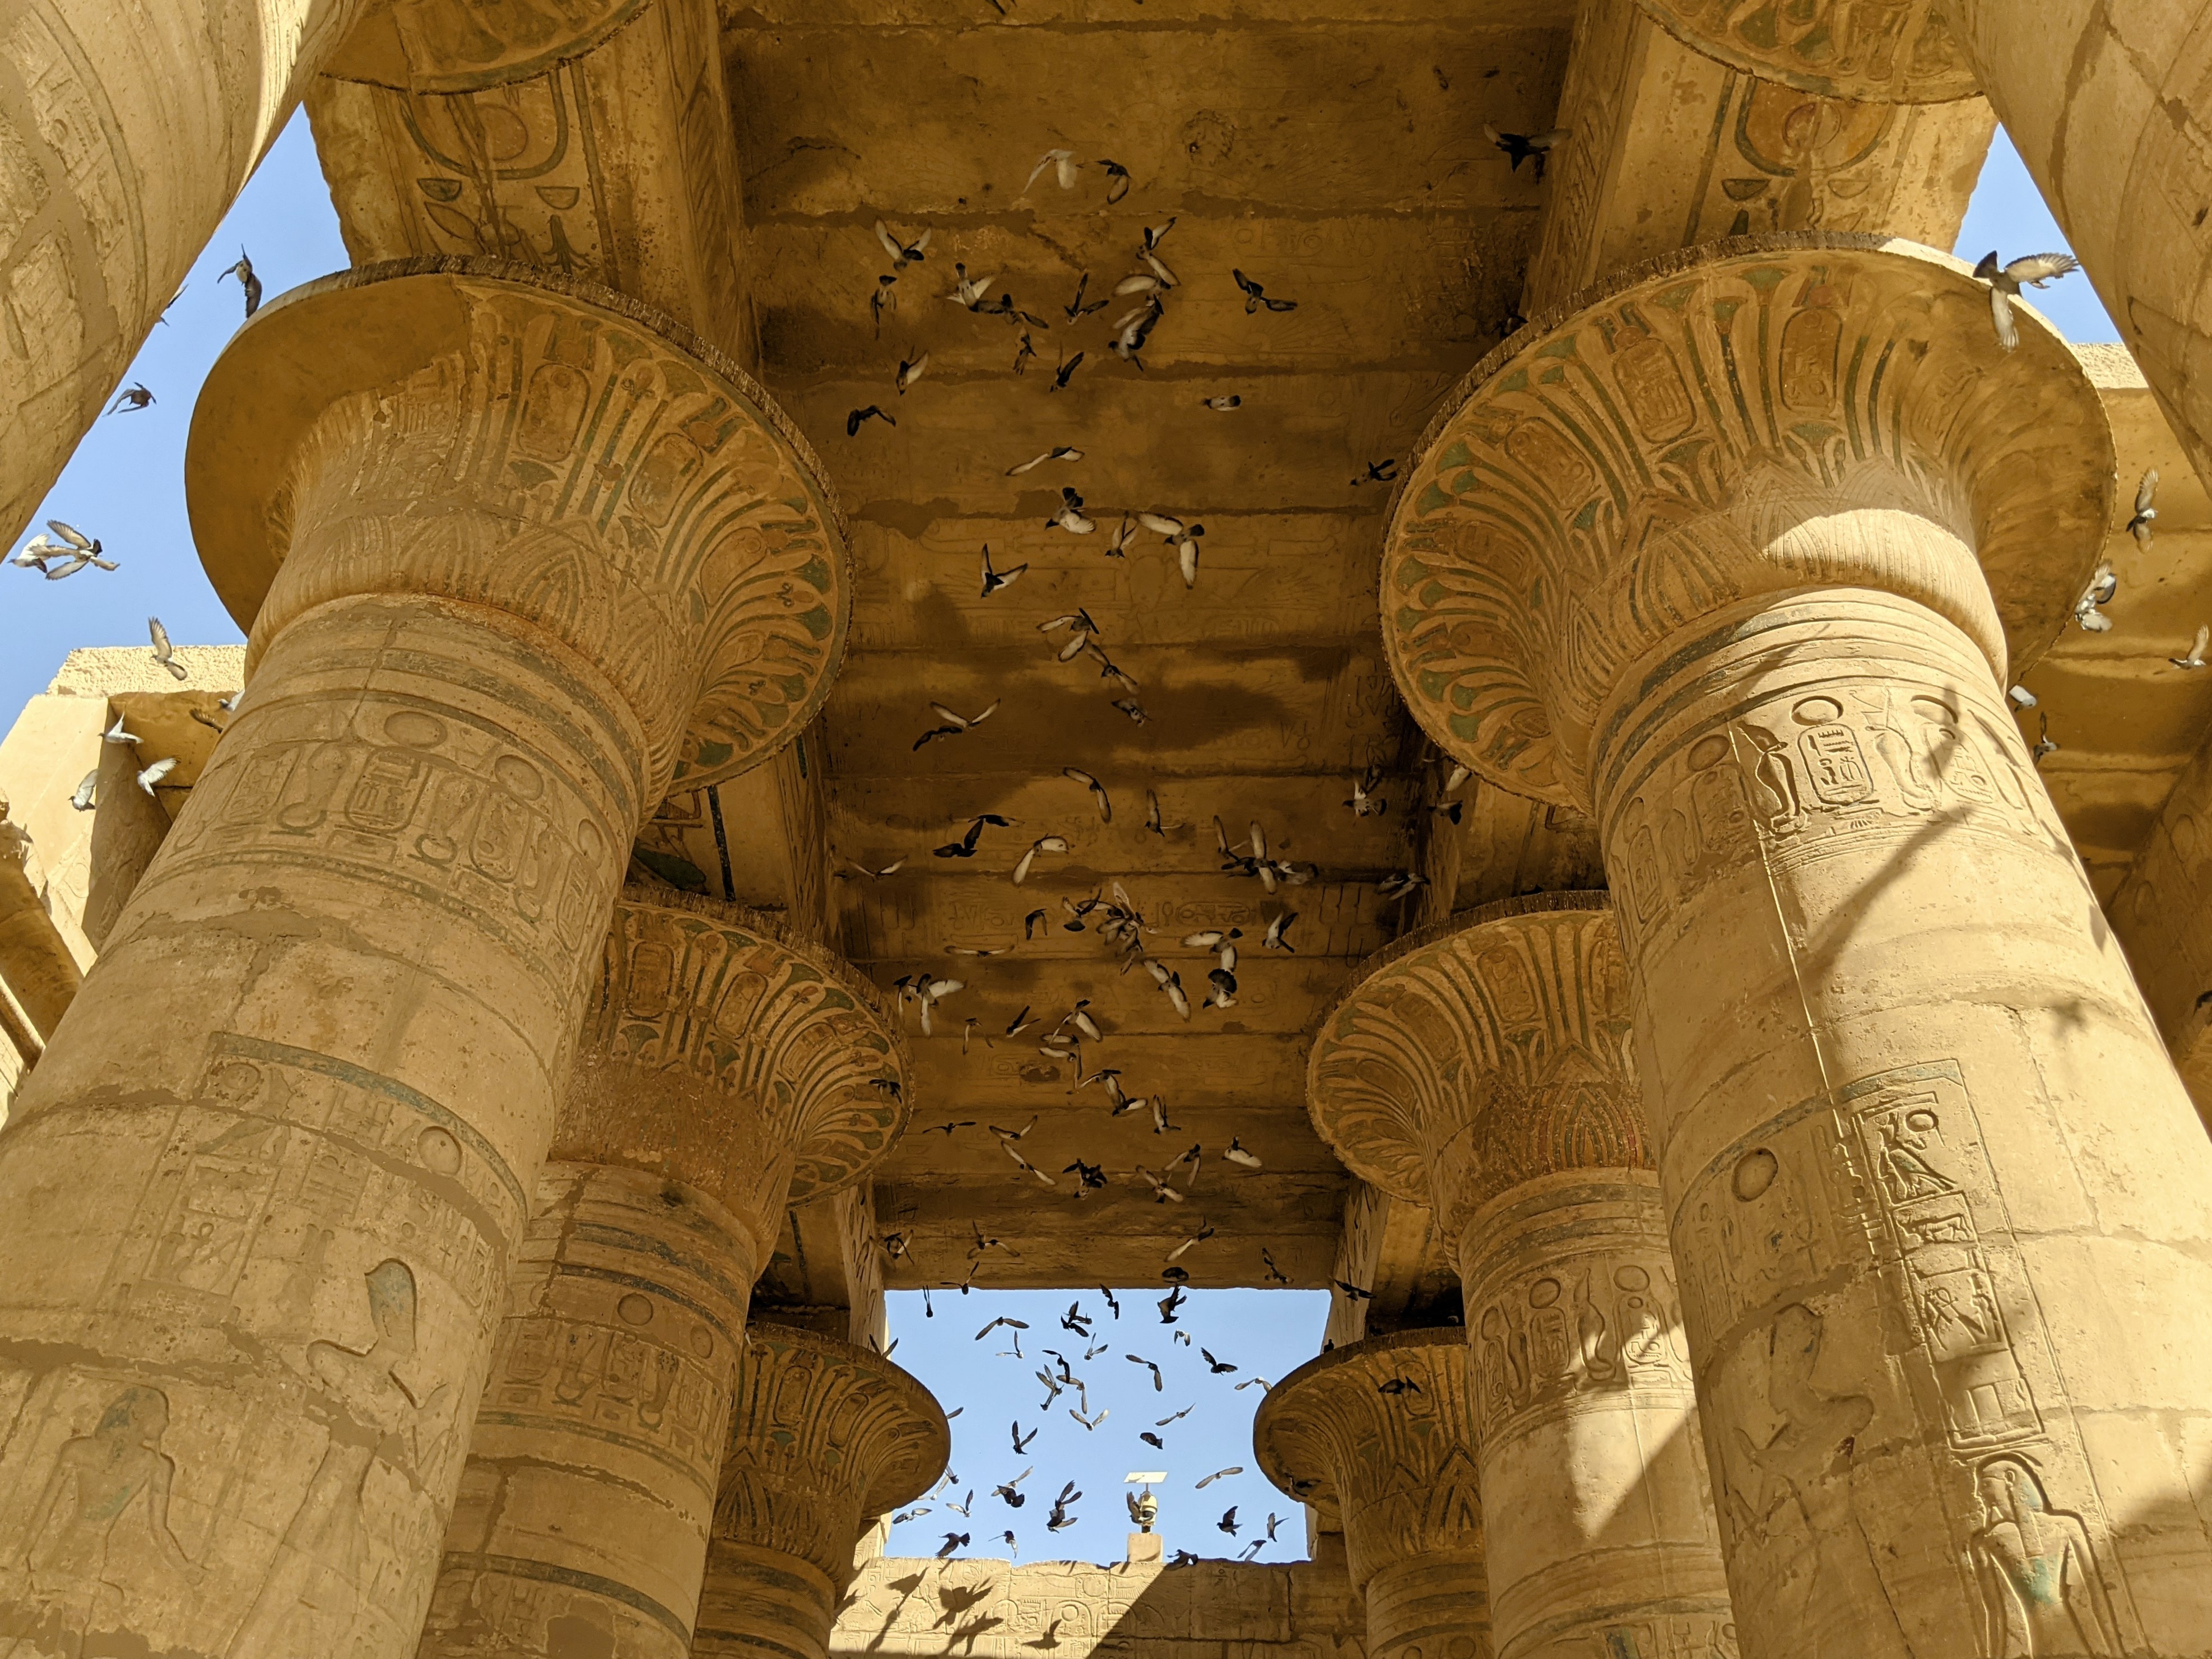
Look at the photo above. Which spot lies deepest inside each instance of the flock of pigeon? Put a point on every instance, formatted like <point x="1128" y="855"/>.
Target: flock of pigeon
<point x="1057" y="1375"/>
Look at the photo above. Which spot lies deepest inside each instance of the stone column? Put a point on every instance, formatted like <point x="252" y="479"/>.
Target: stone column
<point x="1479" y="1068"/>
<point x="1740" y="551"/>
<point x="2107" y="104"/>
<point x="525" y="557"/>
<point x="825" y="1436"/>
<point x="1395" y="1472"/>
<point x="726" y="1072"/>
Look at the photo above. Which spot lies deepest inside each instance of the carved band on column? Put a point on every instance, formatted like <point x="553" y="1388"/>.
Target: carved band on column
<point x="1379" y="1436"/>
<point x="823" y="1435"/>
<point x="1738" y="551"/>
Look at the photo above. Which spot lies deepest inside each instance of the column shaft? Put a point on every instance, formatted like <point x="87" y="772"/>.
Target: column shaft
<point x="1434" y="1605"/>
<point x="1939" y="1200"/>
<point x="1589" y="1426"/>
<point x="582" y="1517"/>
<point x="763" y="1604"/>
<point x="125" y="132"/>
<point x="263" y="1189"/>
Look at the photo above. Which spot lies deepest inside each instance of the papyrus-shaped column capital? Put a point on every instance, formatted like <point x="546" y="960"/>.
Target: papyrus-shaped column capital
<point x="1742" y="419"/>
<point x="823" y="1435"/>
<point x="1380" y="1434"/>
<point x="1482" y="1052"/>
<point x="726" y="1054"/>
<point x="492" y="436"/>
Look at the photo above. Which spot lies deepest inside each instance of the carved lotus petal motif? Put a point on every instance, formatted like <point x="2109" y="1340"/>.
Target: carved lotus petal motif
<point x="504" y="437"/>
<point x="821" y="1434"/>
<point x="1739" y="419"/>
<point x="1482" y="1052"/>
<point x="759" y="1069"/>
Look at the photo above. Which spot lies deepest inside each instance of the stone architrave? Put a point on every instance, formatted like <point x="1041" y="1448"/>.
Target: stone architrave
<point x="1739" y="552"/>
<point x="1479" y="1068"/>
<point x="2108" y="104"/>
<point x="526" y="554"/>
<point x="726" y="1071"/>
<point x="1378" y="1435"/>
<point x="824" y="1436"/>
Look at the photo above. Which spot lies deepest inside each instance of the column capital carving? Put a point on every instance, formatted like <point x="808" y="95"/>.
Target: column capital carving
<point x="725" y="1054"/>
<point x="1398" y="1469"/>
<point x="823" y="1435"/>
<point x="1743" y="418"/>
<point x="502" y="437"/>
<point x="1482" y="1052"/>
<point x="1898" y="51"/>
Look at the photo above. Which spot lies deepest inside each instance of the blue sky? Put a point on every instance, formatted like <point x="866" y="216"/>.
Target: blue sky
<point x="125" y="486"/>
<point x="1263" y="1334"/>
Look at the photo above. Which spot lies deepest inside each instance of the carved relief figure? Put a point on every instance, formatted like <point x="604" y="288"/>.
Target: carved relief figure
<point x="1817" y="1555"/>
<point x="324" y="1564"/>
<point x="104" y="1516"/>
<point x="2038" y="1577"/>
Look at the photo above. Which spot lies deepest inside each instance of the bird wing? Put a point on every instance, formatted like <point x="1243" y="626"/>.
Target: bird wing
<point x="2147" y="491"/>
<point x="2000" y="312"/>
<point x="891" y="242"/>
<point x="70" y="534"/>
<point x="2041" y="267"/>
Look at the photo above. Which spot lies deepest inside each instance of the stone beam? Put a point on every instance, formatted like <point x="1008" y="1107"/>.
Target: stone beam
<point x="1742" y="550"/>
<point x="1671" y="148"/>
<point x="1377" y="1436"/>
<point x="723" y="1070"/>
<point x="1481" y="1067"/>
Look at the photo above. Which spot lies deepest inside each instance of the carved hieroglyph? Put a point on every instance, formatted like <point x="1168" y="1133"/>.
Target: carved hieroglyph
<point x="723" y="1070"/>
<point x="275" y="1166"/>
<point x="823" y="1435"/>
<point x="466" y="131"/>
<point x="1930" y="1176"/>
<point x="1479" y="1067"/>
<point x="584" y="464"/>
<point x="582" y="1513"/>
<point x="1746" y="417"/>
<point x="1379" y="1434"/>
<point x="1672" y="148"/>
<point x="1886" y="51"/>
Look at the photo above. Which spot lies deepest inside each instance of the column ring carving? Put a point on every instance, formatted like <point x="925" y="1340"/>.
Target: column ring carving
<point x="1743" y="418"/>
<point x="506" y="437"/>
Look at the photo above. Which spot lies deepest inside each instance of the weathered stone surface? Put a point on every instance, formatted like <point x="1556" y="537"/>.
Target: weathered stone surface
<point x="323" y="1049"/>
<point x="824" y="1436"/>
